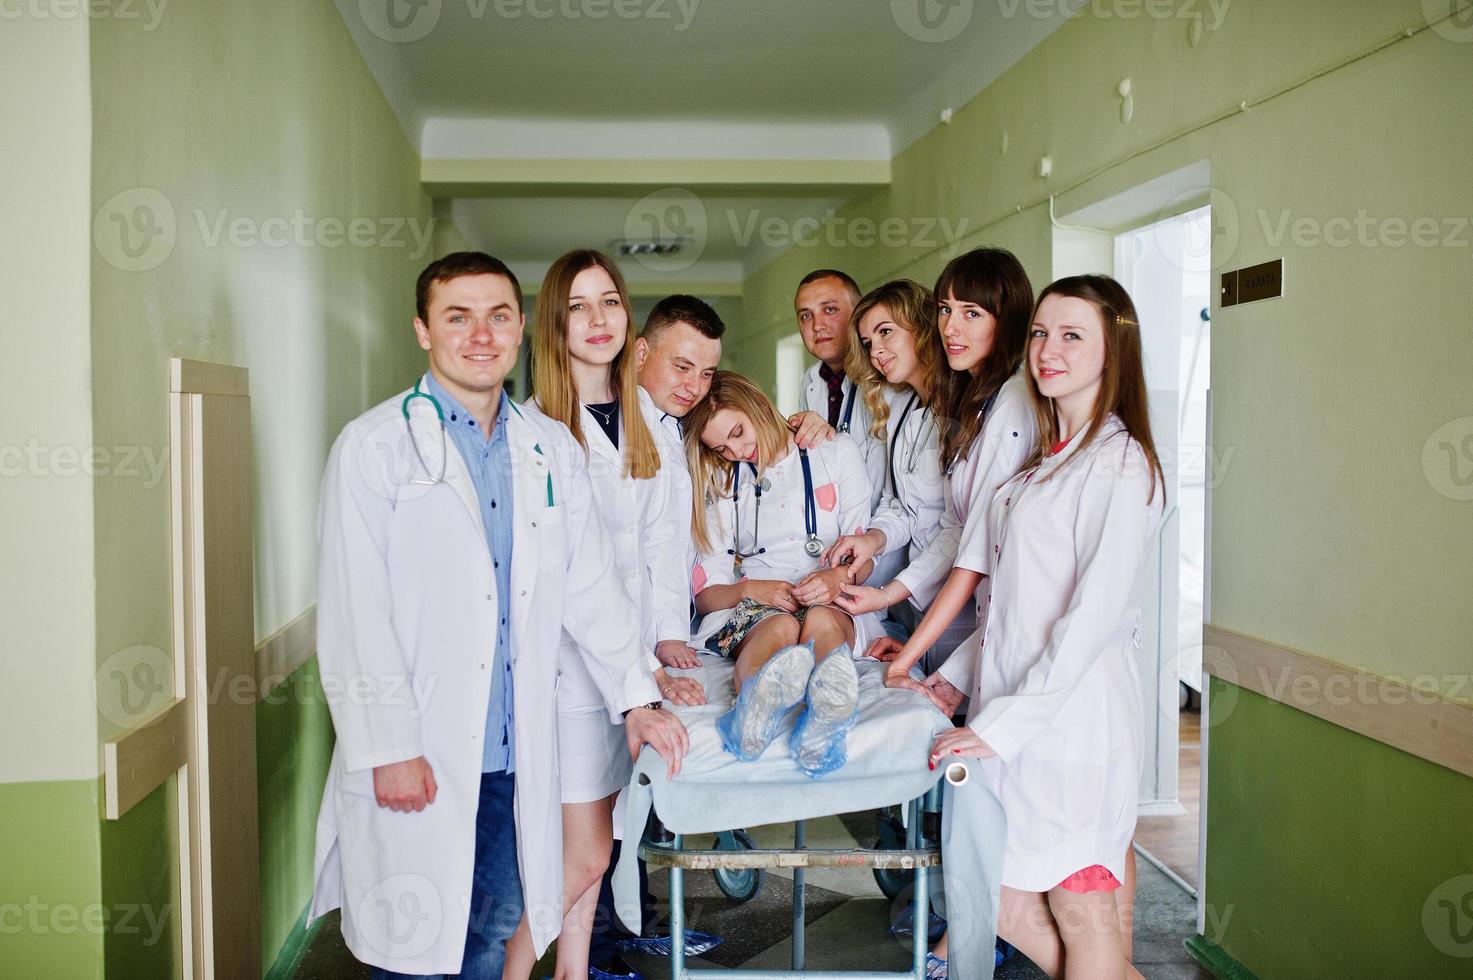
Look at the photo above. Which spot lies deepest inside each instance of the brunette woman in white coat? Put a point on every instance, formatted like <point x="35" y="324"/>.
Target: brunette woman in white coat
<point x="1056" y="696"/>
<point x="585" y="378"/>
<point x="983" y="303"/>
<point x="453" y="528"/>
<point x="764" y="512"/>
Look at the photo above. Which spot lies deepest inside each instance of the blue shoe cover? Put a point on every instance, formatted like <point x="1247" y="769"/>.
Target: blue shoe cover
<point x="935" y="967"/>
<point x="818" y="741"/>
<point x="764" y="702"/>
<point x="696" y="943"/>
<point x="904" y="924"/>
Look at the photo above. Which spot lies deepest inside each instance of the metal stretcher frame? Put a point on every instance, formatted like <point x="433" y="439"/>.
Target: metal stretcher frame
<point x="913" y="857"/>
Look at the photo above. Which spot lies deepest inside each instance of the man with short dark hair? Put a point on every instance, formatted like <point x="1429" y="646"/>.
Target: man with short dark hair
<point x="824" y="303"/>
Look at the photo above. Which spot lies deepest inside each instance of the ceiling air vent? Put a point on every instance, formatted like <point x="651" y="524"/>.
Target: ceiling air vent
<point x="627" y="247"/>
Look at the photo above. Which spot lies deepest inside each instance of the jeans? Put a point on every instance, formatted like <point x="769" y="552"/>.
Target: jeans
<point x="496" y="889"/>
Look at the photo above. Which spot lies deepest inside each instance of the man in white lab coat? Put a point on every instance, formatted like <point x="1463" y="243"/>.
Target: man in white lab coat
<point x="677" y="353"/>
<point x="452" y="530"/>
<point x="823" y="305"/>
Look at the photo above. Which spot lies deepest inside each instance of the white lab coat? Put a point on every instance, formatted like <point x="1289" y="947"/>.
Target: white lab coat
<point x="813" y="395"/>
<point x="841" y="497"/>
<point x="910" y="509"/>
<point x="650" y="540"/>
<point x="672" y="446"/>
<point x="1006" y="439"/>
<point x="407" y="619"/>
<point x="1057" y="694"/>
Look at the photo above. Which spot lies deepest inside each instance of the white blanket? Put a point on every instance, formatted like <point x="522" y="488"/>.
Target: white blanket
<point x="888" y="752"/>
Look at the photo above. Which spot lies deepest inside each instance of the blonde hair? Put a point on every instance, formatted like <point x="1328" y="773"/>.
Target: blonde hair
<point x="711" y="475"/>
<point x="913" y="307"/>
<point x="552" y="374"/>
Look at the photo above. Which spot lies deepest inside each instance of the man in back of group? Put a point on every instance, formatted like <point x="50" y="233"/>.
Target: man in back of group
<point x="824" y="303"/>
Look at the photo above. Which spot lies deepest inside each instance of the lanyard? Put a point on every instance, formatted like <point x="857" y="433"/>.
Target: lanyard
<point x="812" y="546"/>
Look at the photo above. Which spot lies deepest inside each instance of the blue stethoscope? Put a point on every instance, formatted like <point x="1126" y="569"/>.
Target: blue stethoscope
<point x="848" y="408"/>
<point x="812" y="546"/>
<point x="440" y="415"/>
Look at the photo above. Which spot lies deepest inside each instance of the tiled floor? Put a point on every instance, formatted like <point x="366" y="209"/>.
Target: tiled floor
<point x="848" y="918"/>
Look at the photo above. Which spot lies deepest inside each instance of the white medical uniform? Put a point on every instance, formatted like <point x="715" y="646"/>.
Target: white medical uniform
<point x="672" y="443"/>
<point x="1057" y="693"/>
<point x="1007" y="437"/>
<point x="813" y="395"/>
<point x="645" y="523"/>
<point x="841" y="499"/>
<point x="407" y="616"/>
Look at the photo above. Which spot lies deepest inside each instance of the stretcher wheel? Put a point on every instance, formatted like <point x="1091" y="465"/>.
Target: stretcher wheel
<point x="738" y="884"/>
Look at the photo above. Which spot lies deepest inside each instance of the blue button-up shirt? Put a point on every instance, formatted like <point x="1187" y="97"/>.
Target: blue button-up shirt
<point x="489" y="462"/>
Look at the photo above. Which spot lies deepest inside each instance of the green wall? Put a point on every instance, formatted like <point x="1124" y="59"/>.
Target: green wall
<point x="1335" y="526"/>
<point x="50" y="889"/>
<point x="1360" y="840"/>
<point x="258" y="137"/>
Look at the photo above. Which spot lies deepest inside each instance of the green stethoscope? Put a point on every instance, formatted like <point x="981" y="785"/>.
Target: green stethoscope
<point x="440" y="415"/>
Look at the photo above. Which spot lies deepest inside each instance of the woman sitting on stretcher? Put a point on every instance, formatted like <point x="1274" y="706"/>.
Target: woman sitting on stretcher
<point x="764" y="513"/>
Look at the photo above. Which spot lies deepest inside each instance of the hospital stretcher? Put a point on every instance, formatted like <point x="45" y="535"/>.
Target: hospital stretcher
<point x="715" y="793"/>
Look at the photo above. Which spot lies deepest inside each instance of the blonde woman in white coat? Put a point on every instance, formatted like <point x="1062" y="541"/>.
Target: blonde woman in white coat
<point x="585" y="378"/>
<point x="764" y="512"/>
<point x="1056" y="698"/>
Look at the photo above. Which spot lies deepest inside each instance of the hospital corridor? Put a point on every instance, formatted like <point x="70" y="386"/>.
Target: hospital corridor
<point x="640" y="489"/>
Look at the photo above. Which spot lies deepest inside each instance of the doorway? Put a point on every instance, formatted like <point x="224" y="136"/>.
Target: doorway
<point x="1157" y="241"/>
